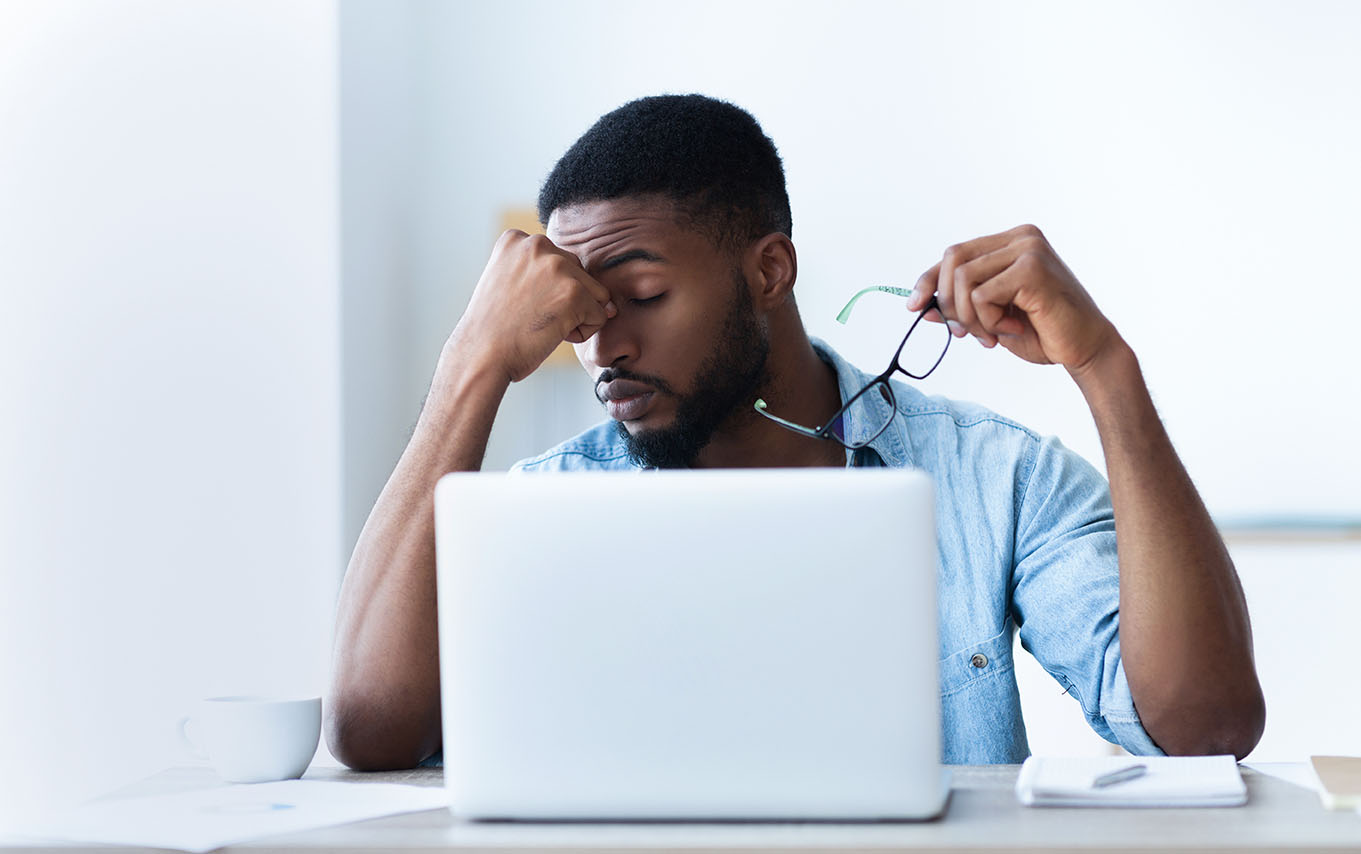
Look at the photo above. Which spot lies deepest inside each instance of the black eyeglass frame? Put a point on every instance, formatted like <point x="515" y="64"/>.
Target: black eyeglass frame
<point x="881" y="381"/>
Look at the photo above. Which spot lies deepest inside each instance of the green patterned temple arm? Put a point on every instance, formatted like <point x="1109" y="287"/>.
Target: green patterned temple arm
<point x="888" y="289"/>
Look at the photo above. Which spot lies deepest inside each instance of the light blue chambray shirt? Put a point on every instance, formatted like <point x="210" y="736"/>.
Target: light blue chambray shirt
<point x="1027" y="543"/>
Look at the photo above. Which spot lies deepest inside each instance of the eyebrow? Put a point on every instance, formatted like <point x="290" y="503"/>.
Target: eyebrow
<point x="626" y="257"/>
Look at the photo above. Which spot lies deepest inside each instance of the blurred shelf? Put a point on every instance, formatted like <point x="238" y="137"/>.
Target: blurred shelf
<point x="1296" y="529"/>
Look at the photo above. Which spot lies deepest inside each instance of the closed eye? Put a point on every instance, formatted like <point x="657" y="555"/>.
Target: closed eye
<point x="649" y="300"/>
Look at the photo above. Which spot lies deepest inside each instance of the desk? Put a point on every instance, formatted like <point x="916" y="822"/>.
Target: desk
<point x="982" y="815"/>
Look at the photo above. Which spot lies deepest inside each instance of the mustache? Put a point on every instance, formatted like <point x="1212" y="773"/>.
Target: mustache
<point x="611" y="374"/>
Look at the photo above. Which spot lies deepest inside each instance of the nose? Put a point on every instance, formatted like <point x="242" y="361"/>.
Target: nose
<point x="613" y="344"/>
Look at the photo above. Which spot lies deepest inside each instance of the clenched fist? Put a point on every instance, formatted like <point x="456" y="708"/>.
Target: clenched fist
<point x="531" y="297"/>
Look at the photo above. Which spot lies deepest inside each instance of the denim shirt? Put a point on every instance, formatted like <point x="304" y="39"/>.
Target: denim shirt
<point x="1026" y="544"/>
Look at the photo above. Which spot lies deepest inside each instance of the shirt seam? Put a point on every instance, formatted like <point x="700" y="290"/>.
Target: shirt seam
<point x="1008" y="668"/>
<point x="573" y="452"/>
<point x="974" y="421"/>
<point x="972" y="648"/>
<point x="1071" y="688"/>
<point x="1031" y="461"/>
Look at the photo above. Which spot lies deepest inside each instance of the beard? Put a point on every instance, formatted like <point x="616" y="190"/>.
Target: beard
<point x="724" y="388"/>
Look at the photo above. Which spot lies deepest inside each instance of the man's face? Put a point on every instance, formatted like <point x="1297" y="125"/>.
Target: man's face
<point x="686" y="352"/>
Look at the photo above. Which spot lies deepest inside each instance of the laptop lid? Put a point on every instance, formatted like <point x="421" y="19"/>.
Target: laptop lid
<point x="733" y="644"/>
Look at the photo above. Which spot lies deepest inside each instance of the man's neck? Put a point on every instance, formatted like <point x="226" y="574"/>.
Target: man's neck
<point x="803" y="389"/>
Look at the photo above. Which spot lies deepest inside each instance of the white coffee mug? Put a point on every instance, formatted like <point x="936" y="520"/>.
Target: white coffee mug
<point x="256" y="739"/>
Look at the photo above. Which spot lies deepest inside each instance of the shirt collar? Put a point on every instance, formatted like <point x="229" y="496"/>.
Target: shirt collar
<point x="868" y="411"/>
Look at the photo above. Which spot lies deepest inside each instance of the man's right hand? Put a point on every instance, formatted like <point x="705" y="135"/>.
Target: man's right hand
<point x="532" y="296"/>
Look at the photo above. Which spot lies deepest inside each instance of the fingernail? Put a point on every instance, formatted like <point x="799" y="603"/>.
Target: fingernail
<point x="955" y="327"/>
<point x="610" y="309"/>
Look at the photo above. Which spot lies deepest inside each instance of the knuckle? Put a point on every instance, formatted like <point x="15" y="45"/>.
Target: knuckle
<point x="1030" y="230"/>
<point x="963" y="275"/>
<point x="953" y="253"/>
<point x="1029" y="260"/>
<point x="509" y="238"/>
<point x="538" y="243"/>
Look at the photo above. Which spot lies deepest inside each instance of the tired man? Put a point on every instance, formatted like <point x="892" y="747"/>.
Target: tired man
<point x="668" y="264"/>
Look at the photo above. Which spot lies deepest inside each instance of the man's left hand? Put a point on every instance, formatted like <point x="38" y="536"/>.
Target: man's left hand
<point x="1012" y="289"/>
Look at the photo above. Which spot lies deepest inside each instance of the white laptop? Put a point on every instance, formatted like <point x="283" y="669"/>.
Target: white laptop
<point x="717" y="645"/>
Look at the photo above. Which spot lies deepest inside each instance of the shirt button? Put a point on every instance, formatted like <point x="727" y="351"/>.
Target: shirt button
<point x="979" y="660"/>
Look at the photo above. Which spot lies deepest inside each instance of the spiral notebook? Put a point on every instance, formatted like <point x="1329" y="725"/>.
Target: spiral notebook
<point x="1165" y="781"/>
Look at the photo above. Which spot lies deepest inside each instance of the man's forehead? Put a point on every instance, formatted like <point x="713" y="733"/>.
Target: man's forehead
<point x="588" y="228"/>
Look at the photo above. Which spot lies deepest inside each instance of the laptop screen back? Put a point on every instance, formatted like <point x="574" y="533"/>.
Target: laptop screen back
<point x="735" y="644"/>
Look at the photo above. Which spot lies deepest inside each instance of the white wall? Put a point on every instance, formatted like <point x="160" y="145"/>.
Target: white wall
<point x="1193" y="162"/>
<point x="381" y="115"/>
<point x="169" y="382"/>
<point x="1302" y="597"/>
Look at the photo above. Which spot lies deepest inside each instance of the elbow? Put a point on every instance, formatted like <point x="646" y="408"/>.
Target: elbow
<point x="366" y="736"/>
<point x="1232" y="727"/>
<point x="1248" y="724"/>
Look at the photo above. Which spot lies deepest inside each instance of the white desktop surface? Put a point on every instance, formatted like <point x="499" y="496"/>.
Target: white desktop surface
<point x="982" y="815"/>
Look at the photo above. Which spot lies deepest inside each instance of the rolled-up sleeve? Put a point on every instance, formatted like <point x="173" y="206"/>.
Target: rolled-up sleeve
<point x="1066" y="590"/>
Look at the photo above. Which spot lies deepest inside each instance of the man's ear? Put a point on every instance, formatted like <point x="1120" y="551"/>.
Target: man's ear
<point x="771" y="265"/>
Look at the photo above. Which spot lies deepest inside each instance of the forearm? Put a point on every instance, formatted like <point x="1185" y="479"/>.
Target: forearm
<point x="383" y="709"/>
<point x="1185" y="638"/>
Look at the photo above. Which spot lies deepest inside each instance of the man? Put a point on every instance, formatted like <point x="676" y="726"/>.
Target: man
<point x="668" y="263"/>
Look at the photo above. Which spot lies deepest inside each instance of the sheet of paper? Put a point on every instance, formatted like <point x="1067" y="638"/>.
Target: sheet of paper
<point x="211" y="818"/>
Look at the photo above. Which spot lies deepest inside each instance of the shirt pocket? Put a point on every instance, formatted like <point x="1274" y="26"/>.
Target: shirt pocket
<point x="983" y="660"/>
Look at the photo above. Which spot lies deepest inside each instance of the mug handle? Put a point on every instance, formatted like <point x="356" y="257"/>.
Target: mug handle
<point x="186" y="742"/>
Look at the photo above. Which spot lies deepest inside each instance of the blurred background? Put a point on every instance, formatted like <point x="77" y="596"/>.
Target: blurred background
<point x="235" y="235"/>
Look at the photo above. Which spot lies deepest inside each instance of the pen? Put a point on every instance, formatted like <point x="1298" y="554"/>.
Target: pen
<point x="1124" y="774"/>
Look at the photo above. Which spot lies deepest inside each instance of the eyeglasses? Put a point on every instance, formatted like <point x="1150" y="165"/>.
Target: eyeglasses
<point x="915" y="357"/>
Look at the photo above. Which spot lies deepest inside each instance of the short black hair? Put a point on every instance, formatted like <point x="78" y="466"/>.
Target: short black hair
<point x="709" y="157"/>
